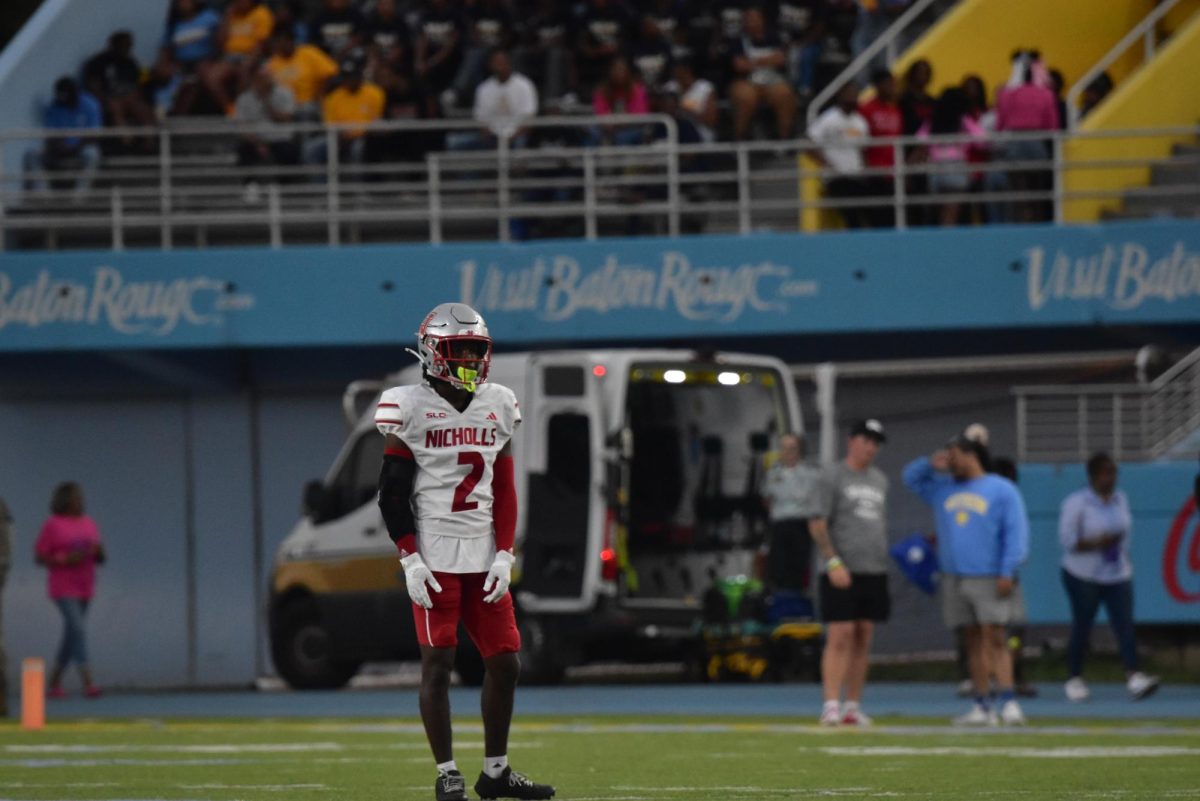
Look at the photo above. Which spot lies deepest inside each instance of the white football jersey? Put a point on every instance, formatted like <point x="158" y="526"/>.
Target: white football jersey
<point x="455" y="453"/>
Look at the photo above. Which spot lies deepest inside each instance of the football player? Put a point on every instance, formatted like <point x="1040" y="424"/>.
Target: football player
<point x="448" y="498"/>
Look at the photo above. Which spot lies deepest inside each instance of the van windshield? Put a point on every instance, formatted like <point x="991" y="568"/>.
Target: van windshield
<point x="700" y="433"/>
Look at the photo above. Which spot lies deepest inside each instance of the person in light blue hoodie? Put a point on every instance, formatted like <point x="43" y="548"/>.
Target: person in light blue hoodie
<point x="1094" y="525"/>
<point x="983" y="536"/>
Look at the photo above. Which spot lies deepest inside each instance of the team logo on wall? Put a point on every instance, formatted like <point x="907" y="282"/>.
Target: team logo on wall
<point x="127" y="307"/>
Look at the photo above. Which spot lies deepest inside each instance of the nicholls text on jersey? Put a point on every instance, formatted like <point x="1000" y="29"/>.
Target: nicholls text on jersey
<point x="457" y="437"/>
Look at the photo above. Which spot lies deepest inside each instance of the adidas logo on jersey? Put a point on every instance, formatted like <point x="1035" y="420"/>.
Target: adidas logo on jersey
<point x="491" y="416"/>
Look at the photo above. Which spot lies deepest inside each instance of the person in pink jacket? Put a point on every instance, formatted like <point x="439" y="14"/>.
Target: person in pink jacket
<point x="69" y="547"/>
<point x="620" y="93"/>
<point x="950" y="118"/>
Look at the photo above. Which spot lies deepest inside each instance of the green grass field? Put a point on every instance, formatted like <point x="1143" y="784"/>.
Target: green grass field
<point x="615" y="759"/>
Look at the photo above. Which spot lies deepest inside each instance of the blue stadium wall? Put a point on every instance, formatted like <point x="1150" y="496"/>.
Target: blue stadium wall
<point x="194" y="392"/>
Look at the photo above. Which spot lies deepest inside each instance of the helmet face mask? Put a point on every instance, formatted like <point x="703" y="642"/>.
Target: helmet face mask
<point x="453" y="345"/>
<point x="461" y="361"/>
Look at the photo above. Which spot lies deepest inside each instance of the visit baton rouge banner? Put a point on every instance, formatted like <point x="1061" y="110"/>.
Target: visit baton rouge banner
<point x="621" y="290"/>
<point x="1164" y="544"/>
<point x="109" y="300"/>
<point x="558" y="289"/>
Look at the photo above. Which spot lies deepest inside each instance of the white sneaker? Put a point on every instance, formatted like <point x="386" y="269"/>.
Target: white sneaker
<point x="1011" y="714"/>
<point x="1077" y="690"/>
<point x="854" y="716"/>
<point x="978" y="716"/>
<point x="831" y="715"/>
<point x="1141" y="686"/>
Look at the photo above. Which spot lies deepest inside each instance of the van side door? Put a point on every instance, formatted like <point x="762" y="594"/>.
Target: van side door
<point x="564" y="512"/>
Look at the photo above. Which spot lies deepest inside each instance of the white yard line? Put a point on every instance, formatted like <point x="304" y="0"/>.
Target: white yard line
<point x="59" y="784"/>
<point x="763" y="728"/>
<point x="1080" y="752"/>
<point x="268" y="787"/>
<point x="751" y="791"/>
<point x="100" y="763"/>
<point x="217" y="748"/>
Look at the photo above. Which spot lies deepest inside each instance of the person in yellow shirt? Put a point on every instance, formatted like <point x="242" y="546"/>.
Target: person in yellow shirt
<point x="245" y="28"/>
<point x="355" y="100"/>
<point x="304" y="69"/>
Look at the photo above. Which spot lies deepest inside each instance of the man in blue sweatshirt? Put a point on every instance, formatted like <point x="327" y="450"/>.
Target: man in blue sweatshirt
<point x="983" y="536"/>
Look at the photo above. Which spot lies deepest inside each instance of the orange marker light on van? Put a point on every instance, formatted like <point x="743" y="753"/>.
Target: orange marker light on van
<point x="599" y="370"/>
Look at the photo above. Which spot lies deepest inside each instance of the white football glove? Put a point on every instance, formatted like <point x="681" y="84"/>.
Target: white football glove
<point x="416" y="577"/>
<point x="499" y="577"/>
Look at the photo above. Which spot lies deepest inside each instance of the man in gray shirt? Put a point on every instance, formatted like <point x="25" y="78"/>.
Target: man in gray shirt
<point x="790" y="491"/>
<point x="851" y="536"/>
<point x="269" y="105"/>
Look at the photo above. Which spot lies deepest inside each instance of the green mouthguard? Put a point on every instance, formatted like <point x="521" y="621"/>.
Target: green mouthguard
<point x="467" y="376"/>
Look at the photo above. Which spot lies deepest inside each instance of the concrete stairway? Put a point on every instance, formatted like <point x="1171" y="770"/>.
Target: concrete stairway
<point x="1174" y="189"/>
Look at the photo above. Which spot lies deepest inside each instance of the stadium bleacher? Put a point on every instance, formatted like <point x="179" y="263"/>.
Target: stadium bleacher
<point x="198" y="158"/>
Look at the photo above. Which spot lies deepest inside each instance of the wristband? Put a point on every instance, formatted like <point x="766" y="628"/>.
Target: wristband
<point x="407" y="545"/>
<point x="833" y="563"/>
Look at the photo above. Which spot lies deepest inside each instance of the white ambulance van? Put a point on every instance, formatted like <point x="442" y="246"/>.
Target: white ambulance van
<point x="637" y="475"/>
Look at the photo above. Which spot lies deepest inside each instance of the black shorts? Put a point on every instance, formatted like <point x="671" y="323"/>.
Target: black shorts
<point x="866" y="599"/>
<point x="789" y="555"/>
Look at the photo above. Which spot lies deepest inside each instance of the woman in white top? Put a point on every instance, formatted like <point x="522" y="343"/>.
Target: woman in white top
<point x="1094" y="525"/>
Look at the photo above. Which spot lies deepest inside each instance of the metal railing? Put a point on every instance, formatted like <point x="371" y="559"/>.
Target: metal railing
<point x="885" y="41"/>
<point x="1133" y="422"/>
<point x="1144" y="30"/>
<point x="192" y="191"/>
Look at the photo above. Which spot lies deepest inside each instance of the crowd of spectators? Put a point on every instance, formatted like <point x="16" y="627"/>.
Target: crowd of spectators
<point x="1029" y="102"/>
<point x="723" y="69"/>
<point x="762" y="61"/>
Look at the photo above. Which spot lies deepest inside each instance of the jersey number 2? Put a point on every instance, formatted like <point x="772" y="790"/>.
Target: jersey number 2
<point x="467" y="485"/>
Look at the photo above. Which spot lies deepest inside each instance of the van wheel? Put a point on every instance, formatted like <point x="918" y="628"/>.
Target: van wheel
<point x="539" y="658"/>
<point x="300" y="647"/>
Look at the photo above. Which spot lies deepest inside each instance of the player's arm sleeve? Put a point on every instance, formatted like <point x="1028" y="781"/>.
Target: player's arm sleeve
<point x="504" y="499"/>
<point x="398" y="472"/>
<point x="395" y="495"/>
<point x="1016" y="535"/>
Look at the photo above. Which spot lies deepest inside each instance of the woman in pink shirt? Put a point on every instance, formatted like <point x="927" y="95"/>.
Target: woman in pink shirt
<point x="621" y="93"/>
<point x="1027" y="104"/>
<point x="69" y="546"/>
<point x="950" y="118"/>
